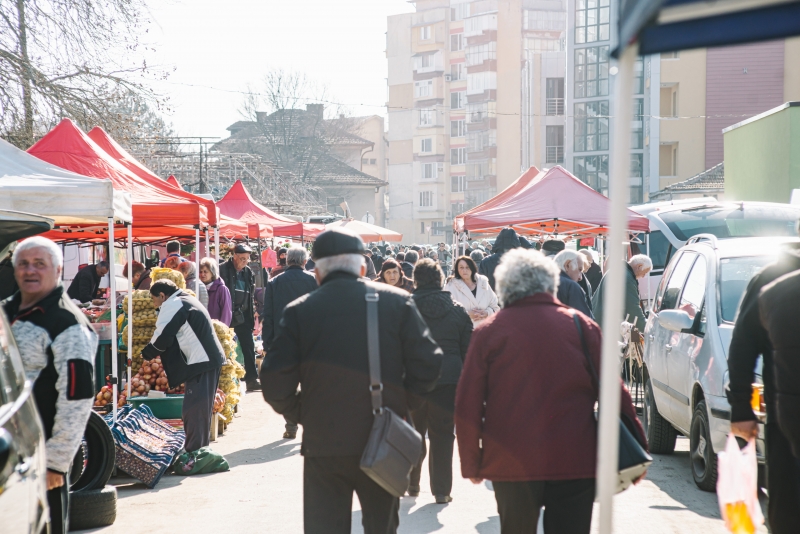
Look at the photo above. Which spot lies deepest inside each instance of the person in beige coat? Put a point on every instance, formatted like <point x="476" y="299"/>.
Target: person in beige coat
<point x="472" y="290"/>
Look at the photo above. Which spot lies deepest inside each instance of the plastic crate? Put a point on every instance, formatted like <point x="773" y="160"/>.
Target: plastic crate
<point x="169" y="407"/>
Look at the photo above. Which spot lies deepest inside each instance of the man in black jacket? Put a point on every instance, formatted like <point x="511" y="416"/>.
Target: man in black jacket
<point x="506" y="240"/>
<point x="410" y="259"/>
<point x="84" y="286"/>
<point x="241" y="282"/>
<point x="292" y="284"/>
<point x="322" y="347"/>
<point x="451" y="328"/>
<point x="748" y="342"/>
<point x="377" y="259"/>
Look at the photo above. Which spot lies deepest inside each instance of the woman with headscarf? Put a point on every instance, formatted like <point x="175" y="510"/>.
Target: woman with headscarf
<point x="392" y="274"/>
<point x="189" y="272"/>
<point x="219" y="296"/>
<point x="472" y="290"/>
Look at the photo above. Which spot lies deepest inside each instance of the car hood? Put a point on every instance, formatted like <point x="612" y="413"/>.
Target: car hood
<point x="16" y="225"/>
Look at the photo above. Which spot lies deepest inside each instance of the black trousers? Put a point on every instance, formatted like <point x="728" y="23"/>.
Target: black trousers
<point x="244" y="332"/>
<point x="328" y="486"/>
<point x="435" y="417"/>
<point x="198" y="406"/>
<point x="783" y="509"/>
<point x="567" y="506"/>
<point x="58" y="501"/>
<point x="291" y="426"/>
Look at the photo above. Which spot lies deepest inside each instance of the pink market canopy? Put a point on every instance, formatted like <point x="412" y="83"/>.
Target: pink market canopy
<point x="368" y="232"/>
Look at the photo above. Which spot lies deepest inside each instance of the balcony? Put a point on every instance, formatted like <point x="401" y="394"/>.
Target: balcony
<point x="554" y="106"/>
<point x="554" y="154"/>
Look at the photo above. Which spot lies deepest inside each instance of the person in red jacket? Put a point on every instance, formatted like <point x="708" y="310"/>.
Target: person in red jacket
<point x="525" y="411"/>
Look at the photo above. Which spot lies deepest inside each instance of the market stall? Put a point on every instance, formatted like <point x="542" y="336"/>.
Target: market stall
<point x="368" y="232"/>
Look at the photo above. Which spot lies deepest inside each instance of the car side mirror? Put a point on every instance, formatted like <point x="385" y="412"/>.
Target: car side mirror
<point x="5" y="448"/>
<point x="675" y="320"/>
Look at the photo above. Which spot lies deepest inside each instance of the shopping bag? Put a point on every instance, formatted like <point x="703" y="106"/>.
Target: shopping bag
<point x="737" y="487"/>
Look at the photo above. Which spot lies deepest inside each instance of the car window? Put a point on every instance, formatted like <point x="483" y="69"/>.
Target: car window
<point x="663" y="283"/>
<point x="659" y="245"/>
<point x="702" y="323"/>
<point x="674" y="286"/>
<point x="727" y="222"/>
<point x="734" y="275"/>
<point x="12" y="375"/>
<point x="695" y="288"/>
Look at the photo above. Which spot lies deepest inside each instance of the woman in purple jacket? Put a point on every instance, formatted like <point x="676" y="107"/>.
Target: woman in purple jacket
<point x="219" y="297"/>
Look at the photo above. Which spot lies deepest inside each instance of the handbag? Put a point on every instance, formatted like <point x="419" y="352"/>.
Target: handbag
<point x="633" y="460"/>
<point x="394" y="446"/>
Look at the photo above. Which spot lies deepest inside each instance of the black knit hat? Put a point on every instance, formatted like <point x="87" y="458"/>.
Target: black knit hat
<point x="336" y="241"/>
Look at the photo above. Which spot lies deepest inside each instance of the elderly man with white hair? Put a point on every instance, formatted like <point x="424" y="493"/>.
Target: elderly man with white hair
<point x="570" y="264"/>
<point x="57" y="345"/>
<point x="637" y="267"/>
<point x="321" y="346"/>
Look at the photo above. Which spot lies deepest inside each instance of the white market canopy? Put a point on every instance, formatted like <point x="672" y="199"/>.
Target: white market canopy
<point x="31" y="185"/>
<point x="368" y="232"/>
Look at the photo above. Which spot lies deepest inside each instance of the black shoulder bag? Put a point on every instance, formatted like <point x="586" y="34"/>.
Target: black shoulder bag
<point x="633" y="460"/>
<point x="394" y="447"/>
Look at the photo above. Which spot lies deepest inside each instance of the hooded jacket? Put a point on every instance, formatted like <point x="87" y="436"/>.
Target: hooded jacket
<point x="506" y="240"/>
<point x="450" y="327"/>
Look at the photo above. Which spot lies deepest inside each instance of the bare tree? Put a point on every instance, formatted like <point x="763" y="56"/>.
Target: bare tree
<point x="67" y="58"/>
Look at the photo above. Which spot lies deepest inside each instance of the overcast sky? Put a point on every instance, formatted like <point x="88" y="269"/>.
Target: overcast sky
<point x="217" y="48"/>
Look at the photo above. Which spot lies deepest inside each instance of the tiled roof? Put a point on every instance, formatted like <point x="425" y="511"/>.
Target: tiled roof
<point x="709" y="181"/>
<point x="331" y="171"/>
<point x="297" y="124"/>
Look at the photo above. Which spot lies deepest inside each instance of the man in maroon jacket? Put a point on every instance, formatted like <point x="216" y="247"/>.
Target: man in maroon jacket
<point x="525" y="411"/>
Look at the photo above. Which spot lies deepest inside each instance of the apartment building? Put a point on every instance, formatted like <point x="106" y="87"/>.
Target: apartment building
<point x="475" y="95"/>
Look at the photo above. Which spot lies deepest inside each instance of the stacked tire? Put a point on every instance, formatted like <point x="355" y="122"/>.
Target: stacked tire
<point x="92" y="503"/>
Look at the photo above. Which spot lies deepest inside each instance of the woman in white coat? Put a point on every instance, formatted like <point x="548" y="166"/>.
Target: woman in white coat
<point x="472" y="290"/>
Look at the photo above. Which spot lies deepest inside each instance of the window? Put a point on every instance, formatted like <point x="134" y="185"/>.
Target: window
<point x="426" y="145"/>
<point x="593" y="170"/>
<point x="456" y="72"/>
<point x="695" y="289"/>
<point x="425" y="61"/>
<point x="365" y="161"/>
<point x="422" y="227"/>
<point x="423" y="89"/>
<point x="535" y="44"/>
<point x="555" y="96"/>
<point x="437" y="228"/>
<point x="373" y="161"/>
<point x="636" y="192"/>
<point x="592" y="21"/>
<point x="591" y="126"/>
<point x="591" y="72"/>
<point x="669" y="55"/>
<point x="545" y="20"/>
<point x="478" y="141"/>
<point x="456" y="42"/>
<point x="458" y="156"/>
<point x="638" y="77"/>
<point x="427" y="117"/>
<point x="675" y="102"/>
<point x="479" y="170"/>
<point x="458" y="128"/>
<point x="477" y="111"/>
<point x="458" y="99"/>
<point x="428" y="171"/>
<point x="481" y="81"/>
<point x="459" y="12"/>
<point x="554" y="151"/>
<point x="458" y="184"/>
<point x="477" y="25"/>
<point x="424" y="33"/>
<point x="637" y="132"/>
<point x="476" y="55"/>
<point x="426" y="199"/>
<point x="673" y="288"/>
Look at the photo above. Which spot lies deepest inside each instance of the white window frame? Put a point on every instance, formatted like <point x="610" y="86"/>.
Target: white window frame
<point x="458" y="156"/>
<point x="428" y="171"/>
<point x="456" y="42"/>
<point x="461" y="128"/>
<point x="426" y="199"/>
<point x="426" y="143"/>
<point x="460" y="183"/>
<point x="423" y="89"/>
<point x="461" y="99"/>
<point x="425" y="33"/>
<point x="456" y="72"/>
<point x="427" y="117"/>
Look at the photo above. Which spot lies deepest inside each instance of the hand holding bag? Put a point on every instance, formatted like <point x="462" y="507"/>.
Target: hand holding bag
<point x="394" y="446"/>
<point x="633" y="460"/>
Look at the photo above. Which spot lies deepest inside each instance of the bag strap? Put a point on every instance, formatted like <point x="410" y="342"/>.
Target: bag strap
<point x="592" y="370"/>
<point x="374" y="350"/>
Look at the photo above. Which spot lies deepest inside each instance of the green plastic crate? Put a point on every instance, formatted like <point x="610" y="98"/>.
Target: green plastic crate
<point x="169" y="407"/>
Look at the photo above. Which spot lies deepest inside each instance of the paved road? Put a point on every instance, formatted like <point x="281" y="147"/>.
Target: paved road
<point x="263" y="493"/>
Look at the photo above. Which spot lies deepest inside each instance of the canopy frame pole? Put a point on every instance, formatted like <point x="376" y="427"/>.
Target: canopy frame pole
<point x="649" y="287"/>
<point x="112" y="288"/>
<point x="608" y="434"/>
<point x="216" y="243"/>
<point x="208" y="249"/>
<point x="197" y="261"/>
<point x="130" y="305"/>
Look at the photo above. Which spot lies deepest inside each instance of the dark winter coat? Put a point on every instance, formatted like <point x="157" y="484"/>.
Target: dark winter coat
<point x="377" y="262"/>
<point x="185" y="339"/>
<point x="371" y="273"/>
<point x="8" y="284"/>
<point x="84" y="286"/>
<point x="525" y="410"/>
<point x="450" y="327"/>
<point x="587" y="289"/>
<point x="408" y="269"/>
<point x="779" y="317"/>
<point x="322" y="347"/>
<point x="594" y="275"/>
<point x="750" y="340"/>
<point x="571" y="294"/>
<point x="280" y="291"/>
<point x="219" y="301"/>
<point x="145" y="281"/>
<point x="633" y="306"/>
<point x="506" y="240"/>
<point x="241" y="300"/>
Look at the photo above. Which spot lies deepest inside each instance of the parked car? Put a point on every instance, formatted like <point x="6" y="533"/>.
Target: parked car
<point x="687" y="337"/>
<point x="23" y="467"/>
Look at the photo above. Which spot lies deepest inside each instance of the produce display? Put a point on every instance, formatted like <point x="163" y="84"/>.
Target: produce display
<point x="152" y="376"/>
<point x="144" y="324"/>
<point x="230" y="373"/>
<point x="160" y="273"/>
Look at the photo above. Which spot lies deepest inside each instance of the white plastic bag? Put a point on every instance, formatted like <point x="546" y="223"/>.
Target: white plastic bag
<point x="737" y="487"/>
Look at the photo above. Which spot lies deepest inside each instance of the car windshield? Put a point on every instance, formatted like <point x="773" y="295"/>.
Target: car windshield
<point x="734" y="275"/>
<point x="726" y="222"/>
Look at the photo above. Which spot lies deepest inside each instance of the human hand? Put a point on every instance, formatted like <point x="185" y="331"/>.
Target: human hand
<point x="476" y="480"/>
<point x="54" y="480"/>
<point x="745" y="429"/>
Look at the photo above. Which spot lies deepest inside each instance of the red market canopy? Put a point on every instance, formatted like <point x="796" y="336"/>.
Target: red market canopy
<point x="238" y="204"/>
<point x="232" y="229"/>
<point x="171" y="180"/>
<point x="368" y="232"/>
<point x="502" y="196"/>
<point x="113" y="149"/>
<point x="552" y="202"/>
<point x="154" y="205"/>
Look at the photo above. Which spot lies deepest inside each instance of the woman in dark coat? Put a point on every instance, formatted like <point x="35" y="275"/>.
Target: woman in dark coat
<point x="451" y="328"/>
<point x="570" y="263"/>
<point x="219" y="296"/>
<point x="525" y="411"/>
<point x="392" y="274"/>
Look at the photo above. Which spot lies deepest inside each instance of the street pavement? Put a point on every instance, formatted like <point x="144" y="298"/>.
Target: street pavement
<point x="263" y="493"/>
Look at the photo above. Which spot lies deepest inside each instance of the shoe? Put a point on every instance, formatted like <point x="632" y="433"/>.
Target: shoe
<point x="443" y="499"/>
<point x="289" y="435"/>
<point x="413" y="492"/>
<point x="253" y="385"/>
